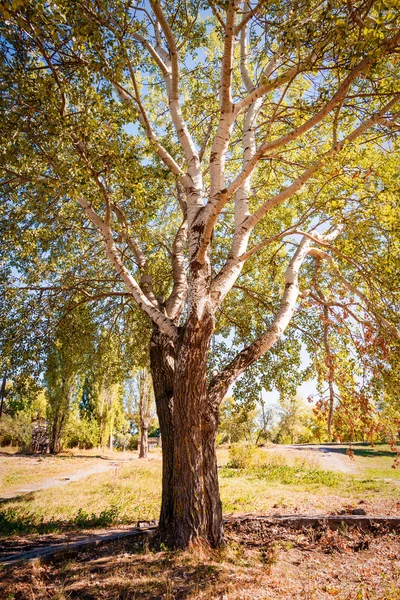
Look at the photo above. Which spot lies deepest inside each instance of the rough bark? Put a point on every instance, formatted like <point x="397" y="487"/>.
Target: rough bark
<point x="196" y="503"/>
<point x="162" y="365"/>
<point x="191" y="506"/>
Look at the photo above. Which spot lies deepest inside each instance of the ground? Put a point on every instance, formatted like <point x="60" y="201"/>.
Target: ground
<point x="256" y="563"/>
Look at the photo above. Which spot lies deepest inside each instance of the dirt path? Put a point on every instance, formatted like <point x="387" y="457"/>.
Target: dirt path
<point x="328" y="458"/>
<point x="332" y="460"/>
<point x="57" y="481"/>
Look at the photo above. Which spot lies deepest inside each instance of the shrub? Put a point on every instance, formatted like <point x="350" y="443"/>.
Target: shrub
<point x="16" y="430"/>
<point x="121" y="441"/>
<point x="82" y="433"/>
<point x="242" y="456"/>
<point x="103" y="519"/>
<point x="134" y="442"/>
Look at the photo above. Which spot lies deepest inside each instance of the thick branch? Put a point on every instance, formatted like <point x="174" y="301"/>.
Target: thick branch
<point x="221" y="141"/>
<point x="165" y="325"/>
<point x="220" y="384"/>
<point x="175" y="303"/>
<point x="171" y="78"/>
<point x="227" y="58"/>
<point x="146" y="280"/>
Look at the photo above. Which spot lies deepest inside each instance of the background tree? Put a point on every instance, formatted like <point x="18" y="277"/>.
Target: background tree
<point x="146" y="409"/>
<point x="238" y="422"/>
<point x="65" y="362"/>
<point x="260" y="124"/>
<point x="266" y="420"/>
<point x="295" y="422"/>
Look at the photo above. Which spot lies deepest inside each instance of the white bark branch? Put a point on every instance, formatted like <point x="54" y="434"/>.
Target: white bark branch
<point x="221" y="382"/>
<point x="146" y="280"/>
<point x="221" y="140"/>
<point x="175" y="303"/>
<point x="164" y="323"/>
<point x="171" y="77"/>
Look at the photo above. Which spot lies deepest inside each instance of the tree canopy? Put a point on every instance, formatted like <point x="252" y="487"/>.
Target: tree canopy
<point x="222" y="174"/>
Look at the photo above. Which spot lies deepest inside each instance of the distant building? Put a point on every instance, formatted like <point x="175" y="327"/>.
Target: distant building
<point x="40" y="441"/>
<point x="154" y="442"/>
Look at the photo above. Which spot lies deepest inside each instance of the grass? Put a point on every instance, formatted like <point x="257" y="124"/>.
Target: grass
<point x="132" y="492"/>
<point x="135" y="488"/>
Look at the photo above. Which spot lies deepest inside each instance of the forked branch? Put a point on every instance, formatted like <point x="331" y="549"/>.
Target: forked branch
<point x="164" y="323"/>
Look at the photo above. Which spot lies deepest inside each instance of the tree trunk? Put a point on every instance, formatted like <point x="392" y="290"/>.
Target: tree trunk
<point x="197" y="511"/>
<point x="55" y="439"/>
<point x="162" y="366"/>
<point x="3" y="392"/>
<point x="144" y="442"/>
<point x="58" y="422"/>
<point x="191" y="508"/>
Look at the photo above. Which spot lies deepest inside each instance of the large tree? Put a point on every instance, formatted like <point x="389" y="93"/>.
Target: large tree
<point x="227" y="154"/>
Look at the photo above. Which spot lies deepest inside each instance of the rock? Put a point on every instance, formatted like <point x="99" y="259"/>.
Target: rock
<point x="358" y="511"/>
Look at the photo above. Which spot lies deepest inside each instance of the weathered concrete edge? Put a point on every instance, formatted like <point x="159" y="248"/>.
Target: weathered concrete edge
<point x="96" y="540"/>
<point x="300" y="521"/>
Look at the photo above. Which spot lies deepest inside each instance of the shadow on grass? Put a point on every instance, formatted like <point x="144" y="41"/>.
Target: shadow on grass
<point x="365" y="451"/>
<point x="14" y="521"/>
<point x="27" y="496"/>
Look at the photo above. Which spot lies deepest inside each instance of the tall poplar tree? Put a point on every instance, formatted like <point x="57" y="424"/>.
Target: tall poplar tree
<point x="220" y="158"/>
